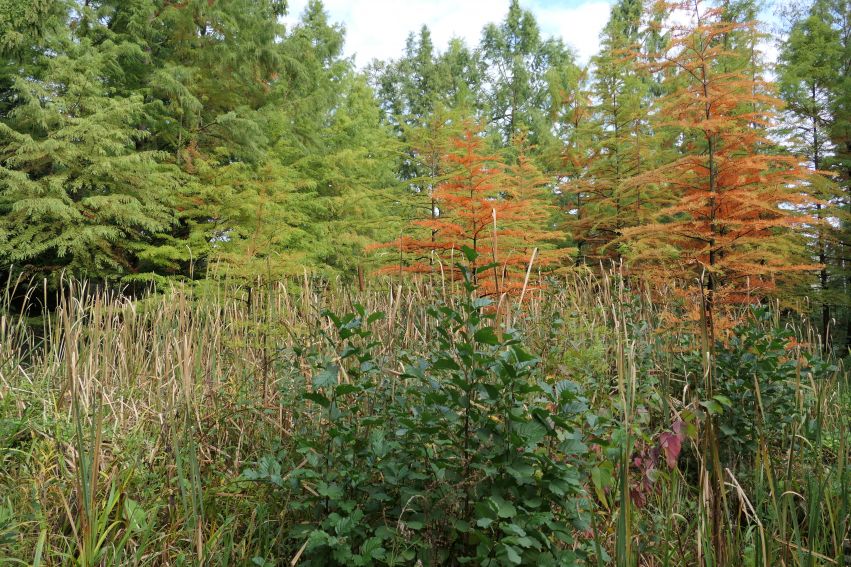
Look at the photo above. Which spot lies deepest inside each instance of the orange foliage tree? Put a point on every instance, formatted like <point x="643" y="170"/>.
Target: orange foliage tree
<point x="733" y="201"/>
<point x="493" y="209"/>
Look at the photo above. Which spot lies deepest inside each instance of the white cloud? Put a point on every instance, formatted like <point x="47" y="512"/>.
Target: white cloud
<point x="378" y="28"/>
<point x="579" y="26"/>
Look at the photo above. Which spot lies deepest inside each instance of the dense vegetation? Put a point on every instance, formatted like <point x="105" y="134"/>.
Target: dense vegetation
<point x="150" y="142"/>
<point x="416" y="425"/>
<point x="474" y="305"/>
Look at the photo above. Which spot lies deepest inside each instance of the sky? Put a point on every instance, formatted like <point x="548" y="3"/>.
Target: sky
<point x="378" y="28"/>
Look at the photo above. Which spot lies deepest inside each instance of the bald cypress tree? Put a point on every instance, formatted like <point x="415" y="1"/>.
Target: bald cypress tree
<point x="618" y="140"/>
<point x="840" y="135"/>
<point x="733" y="198"/>
<point x="320" y="190"/>
<point x="531" y="220"/>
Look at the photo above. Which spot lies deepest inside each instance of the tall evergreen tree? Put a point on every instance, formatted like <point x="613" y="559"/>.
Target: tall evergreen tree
<point x="809" y="71"/>
<point x="314" y="196"/>
<point x="520" y="64"/>
<point x="461" y="76"/>
<point x="578" y="127"/>
<point x="619" y="132"/>
<point x="27" y="29"/>
<point x="420" y="89"/>
<point x="76" y="190"/>
<point x="840" y="135"/>
<point x="200" y="70"/>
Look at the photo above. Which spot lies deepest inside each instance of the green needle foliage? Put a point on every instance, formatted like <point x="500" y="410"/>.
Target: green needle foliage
<point x="810" y="72"/>
<point x="76" y="191"/>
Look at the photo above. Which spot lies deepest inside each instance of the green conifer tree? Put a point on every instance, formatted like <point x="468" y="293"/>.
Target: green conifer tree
<point x="519" y="66"/>
<point x="620" y="140"/>
<point x="809" y="70"/>
<point x="76" y="192"/>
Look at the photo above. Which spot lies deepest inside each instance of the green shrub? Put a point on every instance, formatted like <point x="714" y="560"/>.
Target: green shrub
<point x="756" y="376"/>
<point x="460" y="458"/>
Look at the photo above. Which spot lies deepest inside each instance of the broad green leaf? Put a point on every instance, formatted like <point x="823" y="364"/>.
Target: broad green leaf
<point x="317" y="397"/>
<point x="487" y="336"/>
<point x="327" y="377"/>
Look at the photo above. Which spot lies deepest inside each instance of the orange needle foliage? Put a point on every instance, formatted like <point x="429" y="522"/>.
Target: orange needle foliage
<point x="733" y="202"/>
<point x="493" y="209"/>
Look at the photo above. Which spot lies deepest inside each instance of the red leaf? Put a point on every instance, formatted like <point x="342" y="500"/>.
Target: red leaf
<point x="672" y="444"/>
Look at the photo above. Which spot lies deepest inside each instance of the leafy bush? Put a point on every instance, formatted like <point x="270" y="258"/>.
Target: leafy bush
<point x="458" y="458"/>
<point x="757" y="377"/>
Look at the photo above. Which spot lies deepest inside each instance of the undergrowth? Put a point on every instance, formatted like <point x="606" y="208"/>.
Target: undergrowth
<point x="295" y="423"/>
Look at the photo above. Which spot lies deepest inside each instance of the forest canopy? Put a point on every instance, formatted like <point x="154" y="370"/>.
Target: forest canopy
<point x="154" y="142"/>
